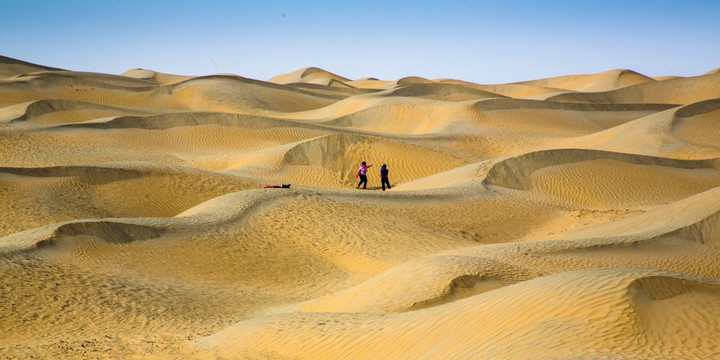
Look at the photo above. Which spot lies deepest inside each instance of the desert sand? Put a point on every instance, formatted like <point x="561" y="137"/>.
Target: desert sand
<point x="570" y="217"/>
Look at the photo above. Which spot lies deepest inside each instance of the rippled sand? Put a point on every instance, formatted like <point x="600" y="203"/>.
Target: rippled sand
<point x="571" y="217"/>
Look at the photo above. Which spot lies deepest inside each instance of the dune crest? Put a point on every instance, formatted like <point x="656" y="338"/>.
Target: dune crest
<point x="154" y="215"/>
<point x="609" y="80"/>
<point x="311" y="75"/>
<point x="10" y="67"/>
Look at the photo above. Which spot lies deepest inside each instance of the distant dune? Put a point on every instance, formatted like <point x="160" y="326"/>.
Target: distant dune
<point x="571" y="217"/>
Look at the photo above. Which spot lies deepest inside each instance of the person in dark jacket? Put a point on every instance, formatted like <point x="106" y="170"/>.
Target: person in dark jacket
<point x="384" y="177"/>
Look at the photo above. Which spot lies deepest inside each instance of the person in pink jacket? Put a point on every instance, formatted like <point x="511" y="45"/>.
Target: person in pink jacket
<point x="362" y="174"/>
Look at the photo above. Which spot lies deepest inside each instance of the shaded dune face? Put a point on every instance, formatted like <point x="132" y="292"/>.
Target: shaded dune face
<point x="569" y="217"/>
<point x="338" y="156"/>
<point x="698" y="124"/>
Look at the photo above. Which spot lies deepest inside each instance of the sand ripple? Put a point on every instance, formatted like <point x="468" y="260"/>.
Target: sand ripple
<point x="569" y="217"/>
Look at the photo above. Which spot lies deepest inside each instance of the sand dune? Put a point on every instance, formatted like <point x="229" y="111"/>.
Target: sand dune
<point x="338" y="155"/>
<point x="559" y="119"/>
<point x="698" y="124"/>
<point x="410" y="116"/>
<point x="38" y="196"/>
<point x="10" y="67"/>
<point x="514" y="90"/>
<point x="238" y="94"/>
<point x="309" y="75"/>
<point x="155" y="76"/>
<point x="671" y="91"/>
<point x="606" y="81"/>
<point x="664" y="134"/>
<point x="623" y="311"/>
<point x="568" y="217"/>
<point x="54" y="111"/>
<point x="336" y="92"/>
<point x="515" y="172"/>
<point x="447" y="92"/>
<point x="88" y="87"/>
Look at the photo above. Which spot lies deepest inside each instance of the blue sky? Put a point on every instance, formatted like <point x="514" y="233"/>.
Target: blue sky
<point x="481" y="41"/>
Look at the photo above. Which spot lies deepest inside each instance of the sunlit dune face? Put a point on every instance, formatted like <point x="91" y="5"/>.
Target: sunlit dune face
<point x="152" y="215"/>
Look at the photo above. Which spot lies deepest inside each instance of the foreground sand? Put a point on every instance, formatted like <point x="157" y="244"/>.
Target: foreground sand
<point x="572" y="217"/>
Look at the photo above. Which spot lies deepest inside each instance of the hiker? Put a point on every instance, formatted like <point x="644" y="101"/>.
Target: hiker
<point x="384" y="177"/>
<point x="362" y="174"/>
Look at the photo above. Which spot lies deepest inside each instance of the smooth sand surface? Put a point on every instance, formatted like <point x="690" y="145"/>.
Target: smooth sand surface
<point x="575" y="217"/>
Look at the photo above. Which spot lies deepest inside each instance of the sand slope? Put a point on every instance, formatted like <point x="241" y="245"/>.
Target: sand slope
<point x="12" y="67"/>
<point x="569" y="217"/>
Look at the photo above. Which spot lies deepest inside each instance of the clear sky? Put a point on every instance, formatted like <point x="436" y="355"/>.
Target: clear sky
<point x="481" y="41"/>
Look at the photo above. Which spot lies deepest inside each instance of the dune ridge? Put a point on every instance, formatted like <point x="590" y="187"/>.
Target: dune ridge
<point x="112" y="232"/>
<point x="309" y="75"/>
<point x="54" y="111"/>
<point x="570" y="217"/>
<point x="680" y="91"/>
<point x="13" y="67"/>
<point x="609" y="80"/>
<point x="514" y="172"/>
